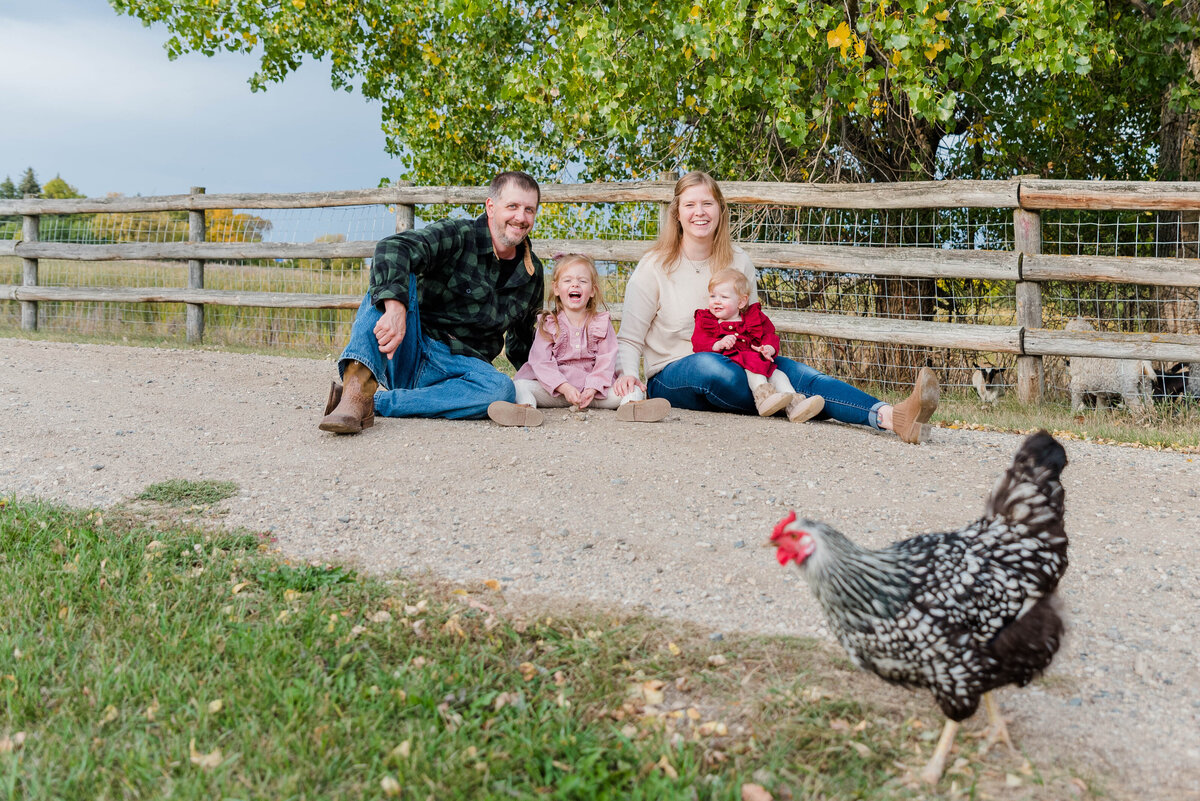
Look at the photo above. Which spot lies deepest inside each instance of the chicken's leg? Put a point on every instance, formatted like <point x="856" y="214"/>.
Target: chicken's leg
<point x="997" y="730"/>
<point x="937" y="763"/>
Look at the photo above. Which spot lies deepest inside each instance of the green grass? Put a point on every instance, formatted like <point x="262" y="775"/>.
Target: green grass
<point x="148" y="659"/>
<point x="1173" y="425"/>
<point x="181" y="492"/>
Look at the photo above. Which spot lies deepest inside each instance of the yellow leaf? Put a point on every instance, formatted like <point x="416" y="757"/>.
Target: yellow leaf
<point x="695" y="12"/>
<point x="930" y="54"/>
<point x="241" y="585"/>
<point x="942" y="15"/>
<point x="860" y="47"/>
<point x="299" y="4"/>
<point x="1003" y="12"/>
<point x="206" y="761"/>
<point x="110" y="714"/>
<point x="215" y="706"/>
<point x="492" y="584"/>
<point x="452" y="627"/>
<point x="674" y="649"/>
<point x="839" y="36"/>
<point x="290" y="595"/>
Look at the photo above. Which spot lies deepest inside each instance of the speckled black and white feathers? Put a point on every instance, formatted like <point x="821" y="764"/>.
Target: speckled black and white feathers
<point x="961" y="612"/>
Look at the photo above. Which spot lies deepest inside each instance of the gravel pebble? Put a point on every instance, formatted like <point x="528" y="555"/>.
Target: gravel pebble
<point x="470" y="501"/>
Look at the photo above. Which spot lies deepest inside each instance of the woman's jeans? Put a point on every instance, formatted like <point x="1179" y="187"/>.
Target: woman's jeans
<point x="710" y="382"/>
<point x="423" y="379"/>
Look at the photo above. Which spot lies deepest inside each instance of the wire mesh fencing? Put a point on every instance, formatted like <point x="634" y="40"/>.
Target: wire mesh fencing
<point x="887" y="366"/>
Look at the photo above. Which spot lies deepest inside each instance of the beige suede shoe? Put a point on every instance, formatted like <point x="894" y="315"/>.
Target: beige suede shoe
<point x="514" y="414"/>
<point x="644" y="411"/>
<point x="804" y="408"/>
<point x="768" y="401"/>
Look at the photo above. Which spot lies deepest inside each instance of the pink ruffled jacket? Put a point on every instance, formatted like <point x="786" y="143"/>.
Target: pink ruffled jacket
<point x="585" y="358"/>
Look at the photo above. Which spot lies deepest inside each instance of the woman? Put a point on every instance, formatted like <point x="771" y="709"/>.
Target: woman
<point x="661" y="298"/>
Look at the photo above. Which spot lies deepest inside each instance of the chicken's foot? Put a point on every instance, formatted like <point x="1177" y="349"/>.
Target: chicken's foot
<point x="997" y="729"/>
<point x="937" y="763"/>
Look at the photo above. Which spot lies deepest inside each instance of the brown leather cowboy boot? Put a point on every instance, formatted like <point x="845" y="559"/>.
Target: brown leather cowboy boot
<point x="355" y="408"/>
<point x="911" y="414"/>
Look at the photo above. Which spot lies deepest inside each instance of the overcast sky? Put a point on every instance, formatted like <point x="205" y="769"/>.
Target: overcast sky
<point x="91" y="96"/>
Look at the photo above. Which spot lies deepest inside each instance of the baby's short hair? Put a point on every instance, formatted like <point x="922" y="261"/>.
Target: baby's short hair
<point x="729" y="276"/>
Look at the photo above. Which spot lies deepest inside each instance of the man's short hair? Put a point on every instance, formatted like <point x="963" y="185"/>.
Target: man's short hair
<point x="523" y="180"/>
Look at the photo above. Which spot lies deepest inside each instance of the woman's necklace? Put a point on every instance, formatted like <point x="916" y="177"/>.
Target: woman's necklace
<point x="695" y="265"/>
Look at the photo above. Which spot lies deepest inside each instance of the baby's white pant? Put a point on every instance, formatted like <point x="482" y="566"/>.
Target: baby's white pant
<point x="531" y="392"/>
<point x="777" y="380"/>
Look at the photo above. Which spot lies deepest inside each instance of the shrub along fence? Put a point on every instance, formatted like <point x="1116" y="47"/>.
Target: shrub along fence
<point x="912" y="267"/>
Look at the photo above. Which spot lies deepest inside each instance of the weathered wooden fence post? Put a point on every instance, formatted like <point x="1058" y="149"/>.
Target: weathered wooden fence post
<point x="406" y="218"/>
<point x="670" y="177"/>
<point x="1027" y="240"/>
<point x="29" y="273"/>
<point x="197" y="230"/>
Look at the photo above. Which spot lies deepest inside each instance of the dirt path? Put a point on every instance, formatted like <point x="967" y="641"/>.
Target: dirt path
<point x="664" y="517"/>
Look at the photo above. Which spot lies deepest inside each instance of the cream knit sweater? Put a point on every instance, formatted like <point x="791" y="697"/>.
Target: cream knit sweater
<point x="660" y="311"/>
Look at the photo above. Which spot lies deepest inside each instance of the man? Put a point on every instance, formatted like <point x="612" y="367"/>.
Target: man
<point x="442" y="302"/>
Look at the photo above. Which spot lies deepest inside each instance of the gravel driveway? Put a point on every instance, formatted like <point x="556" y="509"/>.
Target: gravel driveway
<point x="663" y="517"/>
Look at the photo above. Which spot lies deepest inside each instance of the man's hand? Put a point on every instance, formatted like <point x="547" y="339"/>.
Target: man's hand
<point x="390" y="330"/>
<point x="626" y="384"/>
<point x="726" y="342"/>
<point x="767" y="351"/>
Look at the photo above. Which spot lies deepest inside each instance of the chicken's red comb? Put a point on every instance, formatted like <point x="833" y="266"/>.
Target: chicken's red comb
<point x="782" y="524"/>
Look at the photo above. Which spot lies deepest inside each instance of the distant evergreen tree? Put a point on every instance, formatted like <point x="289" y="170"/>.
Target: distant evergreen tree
<point x="29" y="184"/>
<point x="8" y="189"/>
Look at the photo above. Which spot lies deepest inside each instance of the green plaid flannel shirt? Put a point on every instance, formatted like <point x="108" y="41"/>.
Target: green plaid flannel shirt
<point x="457" y="293"/>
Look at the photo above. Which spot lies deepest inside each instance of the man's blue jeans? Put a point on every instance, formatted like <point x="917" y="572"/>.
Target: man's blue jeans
<point x="423" y="378"/>
<point x="710" y="382"/>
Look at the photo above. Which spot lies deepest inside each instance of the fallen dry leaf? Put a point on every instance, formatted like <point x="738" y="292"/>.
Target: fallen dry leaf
<point x="389" y="786"/>
<point x="717" y="660"/>
<point x="403" y="750"/>
<point x="206" y="761"/>
<point x="755" y="792"/>
<point x="528" y="671"/>
<point x="492" y="584"/>
<point x="452" y="627"/>
<point x="674" y="649"/>
<point x="215" y="706"/>
<point x="382" y="616"/>
<point x="667" y="768"/>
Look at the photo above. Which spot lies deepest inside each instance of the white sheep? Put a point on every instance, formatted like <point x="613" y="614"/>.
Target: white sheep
<point x="1130" y="379"/>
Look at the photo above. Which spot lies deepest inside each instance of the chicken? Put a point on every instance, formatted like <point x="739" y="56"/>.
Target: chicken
<point x="960" y="613"/>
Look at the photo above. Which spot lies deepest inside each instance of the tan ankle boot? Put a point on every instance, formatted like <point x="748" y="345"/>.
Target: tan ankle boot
<point x="803" y="407"/>
<point x="355" y="403"/>
<point x="768" y="401"/>
<point x="910" y="415"/>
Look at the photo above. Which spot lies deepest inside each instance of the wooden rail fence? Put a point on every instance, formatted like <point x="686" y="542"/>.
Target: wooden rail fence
<point x="1025" y="265"/>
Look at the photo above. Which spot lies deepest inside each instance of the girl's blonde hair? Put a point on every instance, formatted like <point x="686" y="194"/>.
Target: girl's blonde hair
<point x="669" y="246"/>
<point x="548" y="317"/>
<point x="741" y="284"/>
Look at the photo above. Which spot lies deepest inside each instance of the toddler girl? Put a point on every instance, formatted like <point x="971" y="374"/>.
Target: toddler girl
<point x="746" y="335"/>
<point x="573" y="358"/>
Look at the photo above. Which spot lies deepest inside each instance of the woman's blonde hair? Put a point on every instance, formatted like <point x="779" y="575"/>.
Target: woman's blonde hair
<point x="741" y="284"/>
<point x="669" y="245"/>
<point x="548" y="316"/>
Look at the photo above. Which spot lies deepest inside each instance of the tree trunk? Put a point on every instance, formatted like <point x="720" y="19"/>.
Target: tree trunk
<point x="1179" y="160"/>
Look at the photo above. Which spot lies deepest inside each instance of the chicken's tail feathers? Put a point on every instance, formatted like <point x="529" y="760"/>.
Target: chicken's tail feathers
<point x="1030" y="491"/>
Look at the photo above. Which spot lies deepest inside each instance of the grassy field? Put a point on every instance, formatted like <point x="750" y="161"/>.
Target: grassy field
<point x="150" y="653"/>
